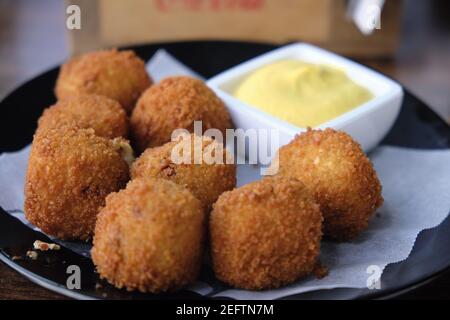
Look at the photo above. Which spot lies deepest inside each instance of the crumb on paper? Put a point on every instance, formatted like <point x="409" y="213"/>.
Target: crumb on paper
<point x="320" y="271"/>
<point x="44" y="246"/>
<point x="32" y="255"/>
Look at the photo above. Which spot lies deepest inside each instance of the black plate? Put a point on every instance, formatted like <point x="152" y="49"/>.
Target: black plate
<point x="416" y="127"/>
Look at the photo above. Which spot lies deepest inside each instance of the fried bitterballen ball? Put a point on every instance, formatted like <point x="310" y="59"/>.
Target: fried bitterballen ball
<point x="104" y="115"/>
<point x="341" y="177"/>
<point x="175" y="103"/>
<point x="70" y="172"/>
<point x="265" y="234"/>
<point x="119" y="75"/>
<point x="150" y="236"/>
<point x="207" y="179"/>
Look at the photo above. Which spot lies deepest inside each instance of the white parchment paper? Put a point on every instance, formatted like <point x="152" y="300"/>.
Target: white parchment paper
<point x="416" y="189"/>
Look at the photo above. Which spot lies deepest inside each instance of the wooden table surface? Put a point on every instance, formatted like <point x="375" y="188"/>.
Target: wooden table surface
<point x="32" y="40"/>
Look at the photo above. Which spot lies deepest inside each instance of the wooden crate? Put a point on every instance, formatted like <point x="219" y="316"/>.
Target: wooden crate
<point x="110" y="23"/>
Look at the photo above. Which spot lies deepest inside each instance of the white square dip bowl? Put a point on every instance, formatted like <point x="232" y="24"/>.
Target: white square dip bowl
<point x="368" y="123"/>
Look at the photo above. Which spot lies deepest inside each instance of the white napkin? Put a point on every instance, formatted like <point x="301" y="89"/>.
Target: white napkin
<point x="366" y="14"/>
<point x="416" y="186"/>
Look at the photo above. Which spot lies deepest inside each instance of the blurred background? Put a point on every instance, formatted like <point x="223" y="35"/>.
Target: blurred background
<point x="412" y="45"/>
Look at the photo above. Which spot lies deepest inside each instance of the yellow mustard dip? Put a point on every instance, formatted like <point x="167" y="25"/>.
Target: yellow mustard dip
<point x="301" y="93"/>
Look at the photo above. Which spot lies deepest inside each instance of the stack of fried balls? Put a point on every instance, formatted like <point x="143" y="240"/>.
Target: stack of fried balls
<point x="151" y="219"/>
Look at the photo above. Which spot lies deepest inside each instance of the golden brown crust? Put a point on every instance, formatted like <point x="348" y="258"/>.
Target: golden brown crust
<point x="150" y="236"/>
<point x="205" y="181"/>
<point x="104" y="115"/>
<point x="119" y="75"/>
<point x="70" y="172"/>
<point x="174" y="103"/>
<point x="339" y="174"/>
<point x="265" y="234"/>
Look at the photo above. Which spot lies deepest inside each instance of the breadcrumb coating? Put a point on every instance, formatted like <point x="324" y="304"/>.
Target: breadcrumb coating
<point x="206" y="181"/>
<point x="119" y="75"/>
<point x="265" y="234"/>
<point x="176" y="102"/>
<point x="70" y="172"/>
<point x="150" y="237"/>
<point x="104" y="115"/>
<point x="334" y="167"/>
